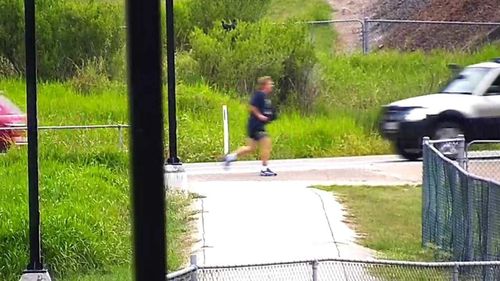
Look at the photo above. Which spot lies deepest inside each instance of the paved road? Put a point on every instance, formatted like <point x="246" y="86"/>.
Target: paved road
<point x="367" y="170"/>
<point x="248" y="219"/>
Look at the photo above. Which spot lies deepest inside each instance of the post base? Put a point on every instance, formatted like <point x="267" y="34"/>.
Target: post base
<point x="175" y="178"/>
<point x="36" y="275"/>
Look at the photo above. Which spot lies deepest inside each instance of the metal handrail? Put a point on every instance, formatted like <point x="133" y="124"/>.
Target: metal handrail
<point x="480" y="142"/>
<point x="361" y="261"/>
<point x="182" y="272"/>
<point x="445" y="141"/>
<point x="434" y="22"/>
<point x="69" y="127"/>
<point x="335" y="21"/>
<point x="76" y="127"/>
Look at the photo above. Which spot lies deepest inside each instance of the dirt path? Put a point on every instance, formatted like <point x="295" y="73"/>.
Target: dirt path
<point x="349" y="34"/>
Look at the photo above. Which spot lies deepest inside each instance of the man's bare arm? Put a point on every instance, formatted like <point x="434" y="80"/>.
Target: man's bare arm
<point x="256" y="112"/>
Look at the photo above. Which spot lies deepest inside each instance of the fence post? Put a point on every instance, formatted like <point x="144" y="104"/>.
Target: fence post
<point x="194" y="274"/>
<point x="225" y="121"/>
<point x="366" y="37"/>
<point x="426" y="237"/>
<point x="315" y="270"/>
<point x="456" y="273"/>
<point x="120" y="137"/>
<point x="461" y="151"/>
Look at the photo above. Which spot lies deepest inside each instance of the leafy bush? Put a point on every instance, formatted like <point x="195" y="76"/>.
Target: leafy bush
<point x="12" y="31"/>
<point x="69" y="33"/>
<point x="234" y="59"/>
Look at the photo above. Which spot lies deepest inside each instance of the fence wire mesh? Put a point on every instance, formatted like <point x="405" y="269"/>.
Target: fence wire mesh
<point x="461" y="211"/>
<point x="483" y="159"/>
<point x="278" y="272"/>
<point x="349" y="270"/>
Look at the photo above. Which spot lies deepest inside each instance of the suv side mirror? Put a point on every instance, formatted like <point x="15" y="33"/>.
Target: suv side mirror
<point x="493" y="90"/>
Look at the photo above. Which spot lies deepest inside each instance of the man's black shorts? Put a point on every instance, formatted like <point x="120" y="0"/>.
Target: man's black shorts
<point x="257" y="135"/>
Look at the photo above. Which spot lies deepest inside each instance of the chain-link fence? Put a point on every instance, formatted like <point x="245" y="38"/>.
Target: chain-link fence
<point x="461" y="211"/>
<point x="344" y="270"/>
<point x="375" y="34"/>
<point x="483" y="159"/>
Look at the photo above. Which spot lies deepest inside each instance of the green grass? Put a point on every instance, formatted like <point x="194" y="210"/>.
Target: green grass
<point x="387" y="218"/>
<point x="118" y="274"/>
<point x="357" y="85"/>
<point x="85" y="213"/>
<point x="200" y="124"/>
<point x="344" y="120"/>
<point x="310" y="10"/>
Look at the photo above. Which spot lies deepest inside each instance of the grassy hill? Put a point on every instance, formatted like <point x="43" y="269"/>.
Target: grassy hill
<point x="427" y="37"/>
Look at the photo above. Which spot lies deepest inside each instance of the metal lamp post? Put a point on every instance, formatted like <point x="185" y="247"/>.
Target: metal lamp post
<point x="35" y="269"/>
<point x="173" y="159"/>
<point x="176" y="177"/>
<point x="146" y="116"/>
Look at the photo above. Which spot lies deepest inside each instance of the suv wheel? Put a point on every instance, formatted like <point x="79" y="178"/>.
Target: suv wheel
<point x="3" y="146"/>
<point x="409" y="153"/>
<point x="4" y="142"/>
<point x="448" y="130"/>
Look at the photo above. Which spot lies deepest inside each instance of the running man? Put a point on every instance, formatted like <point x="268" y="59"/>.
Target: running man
<point x="261" y="113"/>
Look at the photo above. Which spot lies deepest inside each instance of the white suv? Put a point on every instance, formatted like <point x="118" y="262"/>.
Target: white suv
<point x="468" y="105"/>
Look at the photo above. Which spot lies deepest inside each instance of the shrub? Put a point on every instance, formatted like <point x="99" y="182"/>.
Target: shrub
<point x="12" y="31"/>
<point x="234" y="59"/>
<point x="78" y="31"/>
<point x="69" y="33"/>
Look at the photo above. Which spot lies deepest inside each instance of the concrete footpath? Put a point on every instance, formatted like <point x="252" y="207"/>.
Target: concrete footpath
<point x="247" y="219"/>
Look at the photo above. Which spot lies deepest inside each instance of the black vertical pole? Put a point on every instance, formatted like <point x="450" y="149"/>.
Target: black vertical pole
<point x="146" y="116"/>
<point x="31" y="99"/>
<point x="172" y="108"/>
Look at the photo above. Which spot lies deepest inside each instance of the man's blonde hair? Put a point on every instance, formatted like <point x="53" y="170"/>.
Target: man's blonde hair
<point x="261" y="81"/>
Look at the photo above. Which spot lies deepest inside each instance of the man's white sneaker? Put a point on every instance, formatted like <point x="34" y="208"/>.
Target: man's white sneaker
<point x="267" y="173"/>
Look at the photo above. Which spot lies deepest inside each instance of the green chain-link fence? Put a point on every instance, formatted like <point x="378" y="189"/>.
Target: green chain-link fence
<point x="461" y="211"/>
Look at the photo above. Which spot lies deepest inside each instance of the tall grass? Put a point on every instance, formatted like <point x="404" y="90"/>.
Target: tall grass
<point x="344" y="120"/>
<point x="84" y="189"/>
<point x="358" y="85"/>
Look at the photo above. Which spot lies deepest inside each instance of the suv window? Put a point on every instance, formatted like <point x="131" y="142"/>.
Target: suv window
<point x="497" y="82"/>
<point x="467" y="81"/>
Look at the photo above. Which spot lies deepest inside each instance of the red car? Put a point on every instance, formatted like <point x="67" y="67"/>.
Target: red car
<point x="11" y="117"/>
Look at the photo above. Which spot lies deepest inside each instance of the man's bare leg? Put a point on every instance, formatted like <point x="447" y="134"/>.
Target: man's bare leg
<point x="244" y="150"/>
<point x="247" y="149"/>
<point x="266" y="145"/>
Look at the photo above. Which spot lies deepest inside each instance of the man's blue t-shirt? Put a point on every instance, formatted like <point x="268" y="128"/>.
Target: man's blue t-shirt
<point x="263" y="104"/>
